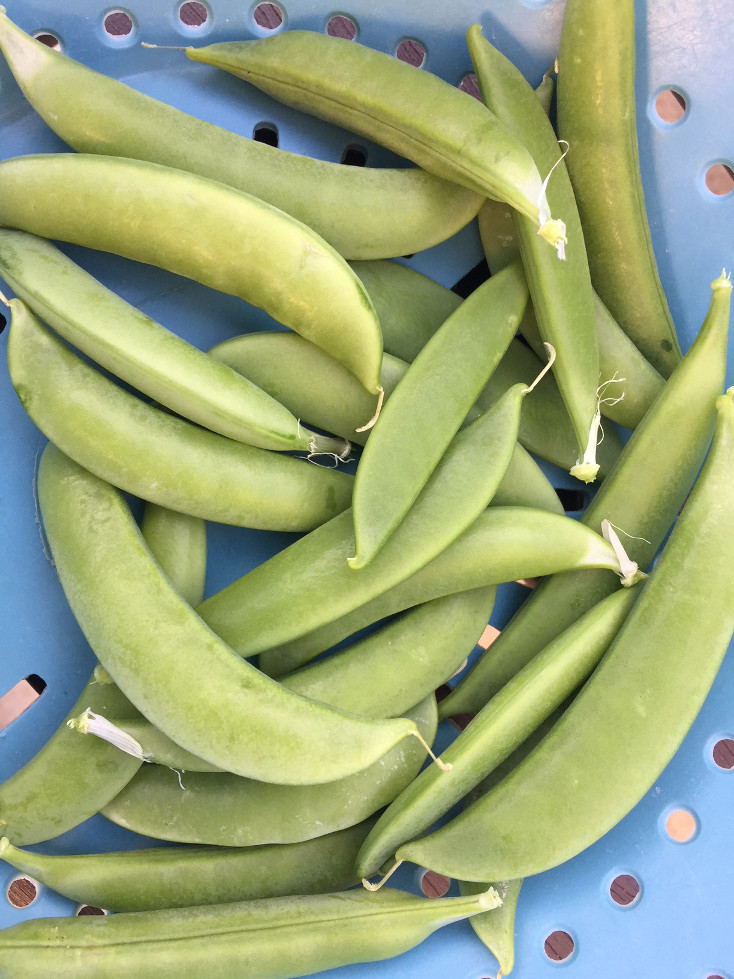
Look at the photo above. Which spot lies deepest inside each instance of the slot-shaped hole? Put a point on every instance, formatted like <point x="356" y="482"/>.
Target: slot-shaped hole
<point x="269" y="16"/>
<point x="719" y="179"/>
<point x="625" y="890"/>
<point x="435" y="885"/>
<point x="50" y="40"/>
<point x="528" y="582"/>
<point x="488" y="636"/>
<point x="559" y="946"/>
<point x="412" y="52"/>
<point x="19" y="698"/>
<point x="342" y="26"/>
<point x="22" y="892"/>
<point x="473" y="278"/>
<point x="723" y="754"/>
<point x="118" y="23"/>
<point x="572" y="500"/>
<point x="3" y="322"/>
<point x="266" y="132"/>
<point x="470" y="85"/>
<point x="354" y="156"/>
<point x="193" y="14"/>
<point x="670" y="105"/>
<point x="89" y="909"/>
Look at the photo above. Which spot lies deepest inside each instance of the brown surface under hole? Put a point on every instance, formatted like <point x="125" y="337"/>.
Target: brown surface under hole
<point x="723" y="753"/>
<point x="22" y="892"/>
<point x="435" y="885"/>
<point x="558" y="946"/>
<point x="624" y="889"/>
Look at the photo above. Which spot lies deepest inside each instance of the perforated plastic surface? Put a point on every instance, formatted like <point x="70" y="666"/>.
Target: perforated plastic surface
<point x="680" y="923"/>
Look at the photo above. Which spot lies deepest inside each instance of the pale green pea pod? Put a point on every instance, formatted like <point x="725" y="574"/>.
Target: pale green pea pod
<point x="170" y="664"/>
<point x="205" y="231"/>
<point x="262" y="939"/>
<point x="414" y="113"/>
<point x="143" y="353"/>
<point x="226" y="810"/>
<point x="391" y="211"/>
<point x="497" y="930"/>
<point x="158" y="456"/>
<point x="176" y="877"/>
<point x="427" y="409"/>
<point x="178" y="543"/>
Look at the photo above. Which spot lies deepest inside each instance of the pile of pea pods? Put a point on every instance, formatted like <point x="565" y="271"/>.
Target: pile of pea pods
<point x="276" y="735"/>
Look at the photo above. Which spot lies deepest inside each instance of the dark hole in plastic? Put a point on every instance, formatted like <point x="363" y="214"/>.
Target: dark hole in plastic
<point x="470" y="85"/>
<point x="435" y="885"/>
<point x="268" y="16"/>
<point x="724" y="753"/>
<point x="193" y="14"/>
<point x="354" y="156"/>
<point x="720" y="179"/>
<point x="558" y="946"/>
<point x="572" y="500"/>
<point x="624" y="889"/>
<point x="50" y="40"/>
<point x="3" y="322"/>
<point x="118" y="24"/>
<point x="19" y="698"/>
<point x="265" y="132"/>
<point x="22" y="892"/>
<point x="473" y="278"/>
<point x="412" y="52"/>
<point x="87" y="909"/>
<point x="670" y="105"/>
<point x="341" y="26"/>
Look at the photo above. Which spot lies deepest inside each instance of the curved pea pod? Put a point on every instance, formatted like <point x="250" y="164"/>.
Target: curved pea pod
<point x="412" y="112"/>
<point x="561" y="291"/>
<point x="498" y="729"/>
<point x="143" y="353"/>
<point x="205" y="231"/>
<point x="391" y="211"/>
<point x="497" y="931"/>
<point x="178" y="877"/>
<point x="226" y="810"/>
<point x="566" y="804"/>
<point x="641" y="496"/>
<point x="158" y="456"/>
<point x="192" y="685"/>
<point x="596" y="116"/>
<point x="428" y="407"/>
<point x="267" y="939"/>
<point x="178" y="543"/>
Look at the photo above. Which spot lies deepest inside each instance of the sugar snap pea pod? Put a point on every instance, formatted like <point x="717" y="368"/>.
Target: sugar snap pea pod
<point x="142" y="352"/>
<point x="428" y="407"/>
<point x="497" y="931"/>
<point x="184" y="876"/>
<point x="498" y="729"/>
<point x="308" y="584"/>
<point x="158" y="456"/>
<point x="415" y="113"/>
<point x="226" y="810"/>
<point x="391" y="211"/>
<point x="635" y="710"/>
<point x="178" y="543"/>
<point x="191" y="684"/>
<point x="642" y="496"/>
<point x="596" y="116"/>
<point x="270" y="938"/>
<point x="561" y="291"/>
<point x="205" y="231"/>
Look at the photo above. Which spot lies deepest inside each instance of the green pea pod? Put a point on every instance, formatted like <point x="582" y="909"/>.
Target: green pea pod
<point x="152" y="359"/>
<point x="226" y="810"/>
<point x="498" y="729"/>
<point x="267" y="939"/>
<point x="641" y="497"/>
<point x="497" y="930"/>
<point x="194" y="687"/>
<point x="158" y="456"/>
<point x="204" y="230"/>
<point x="412" y="112"/>
<point x="561" y="291"/>
<point x="178" y="543"/>
<point x="428" y="407"/>
<point x="179" y="877"/>
<point x="634" y="711"/>
<point x="596" y="116"/>
<point x="391" y="211"/>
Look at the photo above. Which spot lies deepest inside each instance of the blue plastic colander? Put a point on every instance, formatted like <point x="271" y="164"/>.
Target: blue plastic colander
<point x="679" y="924"/>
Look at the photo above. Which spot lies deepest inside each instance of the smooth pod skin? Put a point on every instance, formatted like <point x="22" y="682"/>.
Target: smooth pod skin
<point x="179" y="877"/>
<point x="429" y="405"/>
<point x="275" y="938"/>
<point x="498" y="729"/>
<point x="178" y="543"/>
<point x="412" y="112"/>
<point x="158" y="456"/>
<point x="561" y="291"/>
<point x="143" y="353"/>
<point x="497" y="931"/>
<point x="392" y="212"/>
<point x="205" y="231"/>
<point x="171" y="665"/>
<point x="640" y="497"/>
<point x="596" y="116"/>
<point x="633" y="712"/>
<point x="225" y="810"/>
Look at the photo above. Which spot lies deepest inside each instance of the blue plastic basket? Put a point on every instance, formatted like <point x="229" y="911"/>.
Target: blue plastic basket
<point x="679" y="925"/>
